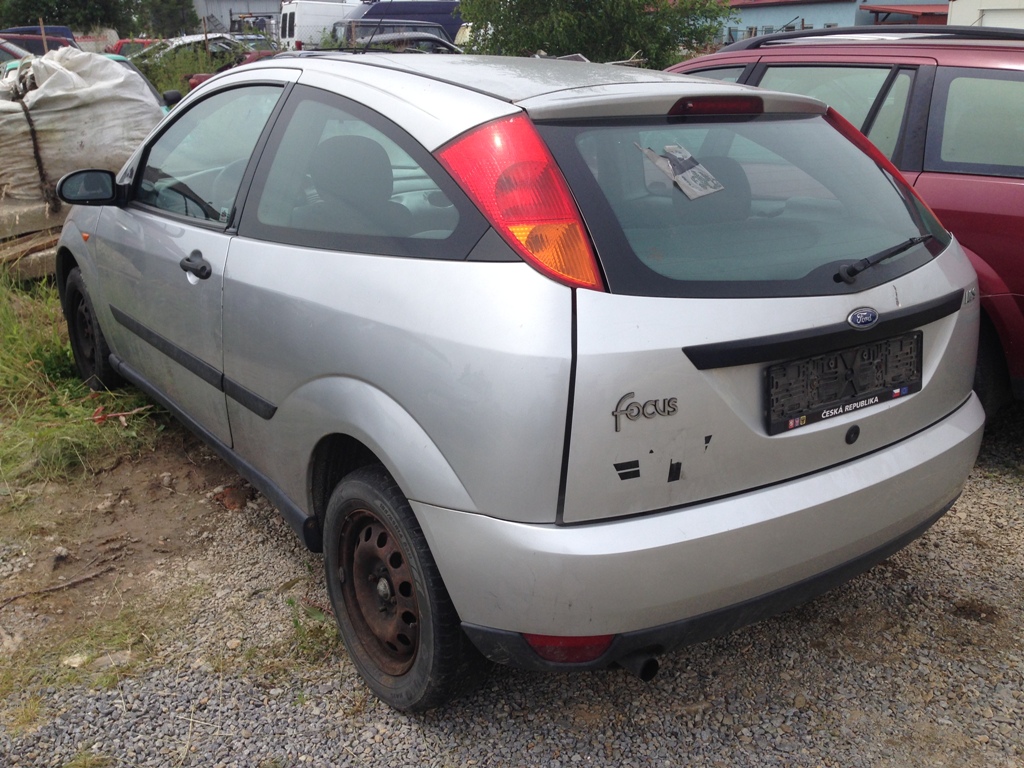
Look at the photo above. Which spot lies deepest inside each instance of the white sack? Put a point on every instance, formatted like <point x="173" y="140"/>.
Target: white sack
<point x="89" y="112"/>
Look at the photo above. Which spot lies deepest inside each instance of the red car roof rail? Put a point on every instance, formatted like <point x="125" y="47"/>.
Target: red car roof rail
<point x="927" y="31"/>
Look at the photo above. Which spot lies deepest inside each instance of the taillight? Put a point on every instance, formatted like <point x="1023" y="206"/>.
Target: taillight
<point x="567" y="649"/>
<point x="718" y="105"/>
<point x="507" y="170"/>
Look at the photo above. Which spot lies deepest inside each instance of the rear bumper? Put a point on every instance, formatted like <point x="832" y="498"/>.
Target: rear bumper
<point x="506" y="647"/>
<point x="663" y="580"/>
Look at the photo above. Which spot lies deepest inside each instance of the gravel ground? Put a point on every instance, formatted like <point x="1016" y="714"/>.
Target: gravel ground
<point x="917" y="663"/>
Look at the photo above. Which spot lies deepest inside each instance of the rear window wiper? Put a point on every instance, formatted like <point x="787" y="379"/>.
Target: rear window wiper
<point x="848" y="272"/>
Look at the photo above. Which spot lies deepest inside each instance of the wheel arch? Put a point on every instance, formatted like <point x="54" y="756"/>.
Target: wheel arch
<point x="361" y="425"/>
<point x="64" y="263"/>
<point x="334" y="457"/>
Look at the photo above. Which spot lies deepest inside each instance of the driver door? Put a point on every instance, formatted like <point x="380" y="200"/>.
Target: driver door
<point x="162" y="257"/>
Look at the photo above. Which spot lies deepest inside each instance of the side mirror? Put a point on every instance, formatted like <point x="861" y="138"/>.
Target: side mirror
<point x="94" y="187"/>
<point x="171" y="98"/>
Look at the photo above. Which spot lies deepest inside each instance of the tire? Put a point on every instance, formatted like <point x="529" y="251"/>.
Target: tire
<point x="991" y="376"/>
<point x="88" y="345"/>
<point x="393" y="610"/>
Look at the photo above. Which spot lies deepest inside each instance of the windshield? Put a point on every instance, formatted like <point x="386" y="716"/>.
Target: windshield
<point x="768" y="206"/>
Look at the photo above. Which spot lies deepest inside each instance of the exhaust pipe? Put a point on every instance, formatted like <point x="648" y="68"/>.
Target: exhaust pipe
<point x="642" y="665"/>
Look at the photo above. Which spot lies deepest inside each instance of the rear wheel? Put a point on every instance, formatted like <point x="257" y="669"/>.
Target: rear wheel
<point x="396" y="618"/>
<point x="991" y="376"/>
<point x="88" y="346"/>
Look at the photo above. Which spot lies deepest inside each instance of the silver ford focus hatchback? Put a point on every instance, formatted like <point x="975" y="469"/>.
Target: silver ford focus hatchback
<point x="562" y="365"/>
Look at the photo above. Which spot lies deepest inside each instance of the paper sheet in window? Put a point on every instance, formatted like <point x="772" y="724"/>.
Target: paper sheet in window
<point x="683" y="169"/>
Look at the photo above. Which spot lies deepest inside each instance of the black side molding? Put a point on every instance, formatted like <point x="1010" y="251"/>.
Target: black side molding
<point x="208" y="373"/>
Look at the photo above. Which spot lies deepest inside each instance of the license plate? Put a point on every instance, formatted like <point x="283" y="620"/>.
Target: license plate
<point x="819" y="388"/>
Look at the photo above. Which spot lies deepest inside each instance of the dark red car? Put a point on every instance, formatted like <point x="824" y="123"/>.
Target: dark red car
<point x="946" y="104"/>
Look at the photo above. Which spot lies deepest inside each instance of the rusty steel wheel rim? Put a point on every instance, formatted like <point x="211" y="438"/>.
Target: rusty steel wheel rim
<point x="379" y="592"/>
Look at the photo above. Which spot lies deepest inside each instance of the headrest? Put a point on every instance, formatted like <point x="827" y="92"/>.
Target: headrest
<point x="355" y="169"/>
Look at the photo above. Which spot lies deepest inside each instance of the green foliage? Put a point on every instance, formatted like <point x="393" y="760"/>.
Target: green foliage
<point x="172" y="70"/>
<point x="77" y="14"/>
<point x="601" y="30"/>
<point x="170" y="18"/>
<point x="315" y="633"/>
<point x="163" y="18"/>
<point x="47" y="425"/>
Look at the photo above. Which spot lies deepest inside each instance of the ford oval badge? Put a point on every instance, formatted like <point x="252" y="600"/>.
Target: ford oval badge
<point x="862" y="318"/>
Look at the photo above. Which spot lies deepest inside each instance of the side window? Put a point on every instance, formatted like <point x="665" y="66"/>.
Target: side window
<point x="849" y="90"/>
<point x="338" y="176"/>
<point x="887" y="126"/>
<point x="195" y="167"/>
<point x="725" y="74"/>
<point x="977" y="123"/>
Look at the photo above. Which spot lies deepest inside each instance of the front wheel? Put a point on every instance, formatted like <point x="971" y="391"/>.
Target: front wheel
<point x="394" y="613"/>
<point x="88" y="346"/>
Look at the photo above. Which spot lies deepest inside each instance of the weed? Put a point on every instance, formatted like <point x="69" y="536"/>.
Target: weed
<point x="173" y="69"/>
<point x="314" y="634"/>
<point x="27" y="714"/>
<point x="51" y="425"/>
<point x="90" y="760"/>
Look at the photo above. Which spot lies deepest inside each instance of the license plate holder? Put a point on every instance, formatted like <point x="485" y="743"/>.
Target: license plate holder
<point x="814" y="389"/>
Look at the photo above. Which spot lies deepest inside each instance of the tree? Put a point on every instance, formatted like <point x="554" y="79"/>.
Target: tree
<point x="77" y="14"/>
<point x="601" y="30"/>
<point x="169" y="18"/>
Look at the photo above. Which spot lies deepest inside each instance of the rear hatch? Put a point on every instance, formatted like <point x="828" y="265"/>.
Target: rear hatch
<point x="778" y="301"/>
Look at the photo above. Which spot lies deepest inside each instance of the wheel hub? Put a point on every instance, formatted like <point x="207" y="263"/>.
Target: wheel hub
<point x="384" y="591"/>
<point x="380" y="598"/>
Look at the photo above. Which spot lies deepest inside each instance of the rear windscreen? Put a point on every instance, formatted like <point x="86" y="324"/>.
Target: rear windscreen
<point x="765" y="206"/>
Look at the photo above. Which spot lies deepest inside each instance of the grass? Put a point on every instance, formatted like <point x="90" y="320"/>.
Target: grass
<point x="172" y="70"/>
<point x="33" y="667"/>
<point x="314" y="633"/>
<point x="52" y="427"/>
<point x="90" y="760"/>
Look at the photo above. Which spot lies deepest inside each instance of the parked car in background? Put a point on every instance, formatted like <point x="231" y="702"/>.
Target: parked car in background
<point x="49" y="30"/>
<point x="11" y="51"/>
<point x="564" y="364"/>
<point x="946" y="104"/>
<point x="37" y="45"/>
<point x="129" y="46"/>
<point x="215" y="44"/>
<point x="406" y="42"/>
<point x="355" y="31"/>
<point x="443" y="12"/>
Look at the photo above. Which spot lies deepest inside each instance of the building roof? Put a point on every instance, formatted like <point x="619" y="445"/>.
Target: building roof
<point x="933" y="9"/>
<point x="768" y="3"/>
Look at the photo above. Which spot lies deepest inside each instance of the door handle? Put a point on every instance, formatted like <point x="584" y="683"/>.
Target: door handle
<point x="197" y="265"/>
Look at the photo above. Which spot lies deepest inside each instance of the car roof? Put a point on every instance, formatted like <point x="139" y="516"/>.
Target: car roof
<point x="517" y="79"/>
<point x="409" y="38"/>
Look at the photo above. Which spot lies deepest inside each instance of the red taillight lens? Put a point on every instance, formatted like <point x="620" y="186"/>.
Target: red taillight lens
<point x="718" y="105"/>
<point x="509" y="173"/>
<point x="569" y="649"/>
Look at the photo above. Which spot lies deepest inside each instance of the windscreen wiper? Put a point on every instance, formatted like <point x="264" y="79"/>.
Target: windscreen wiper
<point x="848" y="272"/>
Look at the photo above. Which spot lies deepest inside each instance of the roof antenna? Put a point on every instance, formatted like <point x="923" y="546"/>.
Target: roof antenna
<point x="376" y="29"/>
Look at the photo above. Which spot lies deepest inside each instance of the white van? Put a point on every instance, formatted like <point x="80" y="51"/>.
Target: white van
<point x="308" y="23"/>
